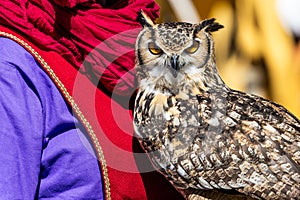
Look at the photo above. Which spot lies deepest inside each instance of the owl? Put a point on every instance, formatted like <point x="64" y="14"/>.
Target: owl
<point x="209" y="140"/>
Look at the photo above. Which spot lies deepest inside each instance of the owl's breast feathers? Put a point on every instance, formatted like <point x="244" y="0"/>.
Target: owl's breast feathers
<point x="221" y="139"/>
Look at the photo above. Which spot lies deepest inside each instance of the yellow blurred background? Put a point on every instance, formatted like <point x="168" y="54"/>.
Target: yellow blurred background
<point x="258" y="50"/>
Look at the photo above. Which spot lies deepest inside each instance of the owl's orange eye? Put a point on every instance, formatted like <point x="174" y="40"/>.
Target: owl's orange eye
<point x="154" y="49"/>
<point x="193" y="48"/>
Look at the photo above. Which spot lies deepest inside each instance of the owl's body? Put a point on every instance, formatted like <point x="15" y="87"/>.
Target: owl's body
<point x="201" y="134"/>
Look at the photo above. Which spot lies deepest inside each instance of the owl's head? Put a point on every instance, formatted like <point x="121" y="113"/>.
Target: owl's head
<point x="173" y="52"/>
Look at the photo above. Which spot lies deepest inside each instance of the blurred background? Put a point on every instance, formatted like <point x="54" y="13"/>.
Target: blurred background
<point x="258" y="51"/>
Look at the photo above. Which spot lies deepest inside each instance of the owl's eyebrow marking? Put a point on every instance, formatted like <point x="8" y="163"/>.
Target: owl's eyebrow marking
<point x="139" y="50"/>
<point x="208" y="54"/>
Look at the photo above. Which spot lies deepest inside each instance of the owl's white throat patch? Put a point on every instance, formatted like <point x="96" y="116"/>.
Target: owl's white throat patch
<point x="165" y="74"/>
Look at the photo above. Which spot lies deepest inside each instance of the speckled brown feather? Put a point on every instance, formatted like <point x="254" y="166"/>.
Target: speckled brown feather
<point x="203" y="135"/>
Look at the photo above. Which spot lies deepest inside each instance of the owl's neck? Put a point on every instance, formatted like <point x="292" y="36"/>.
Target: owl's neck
<point x="210" y="80"/>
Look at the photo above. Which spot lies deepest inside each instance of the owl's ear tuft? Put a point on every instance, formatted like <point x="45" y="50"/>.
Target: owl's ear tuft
<point x="144" y="19"/>
<point x="208" y="25"/>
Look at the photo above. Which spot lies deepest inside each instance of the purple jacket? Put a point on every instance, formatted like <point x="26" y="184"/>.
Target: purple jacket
<point x="44" y="151"/>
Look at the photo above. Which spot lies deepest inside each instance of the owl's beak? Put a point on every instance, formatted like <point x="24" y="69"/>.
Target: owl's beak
<point x="174" y="64"/>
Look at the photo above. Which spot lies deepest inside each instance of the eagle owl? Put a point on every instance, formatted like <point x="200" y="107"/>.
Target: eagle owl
<point x="201" y="134"/>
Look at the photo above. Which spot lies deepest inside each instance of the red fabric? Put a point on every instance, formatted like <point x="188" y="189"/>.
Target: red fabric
<point x="65" y="33"/>
<point x="72" y="3"/>
<point x="76" y="28"/>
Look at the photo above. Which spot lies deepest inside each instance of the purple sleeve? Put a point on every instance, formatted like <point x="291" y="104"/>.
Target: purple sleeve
<point x="44" y="152"/>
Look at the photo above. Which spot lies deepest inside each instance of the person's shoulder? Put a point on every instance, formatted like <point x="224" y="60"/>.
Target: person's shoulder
<point x="13" y="55"/>
<point x="10" y="48"/>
